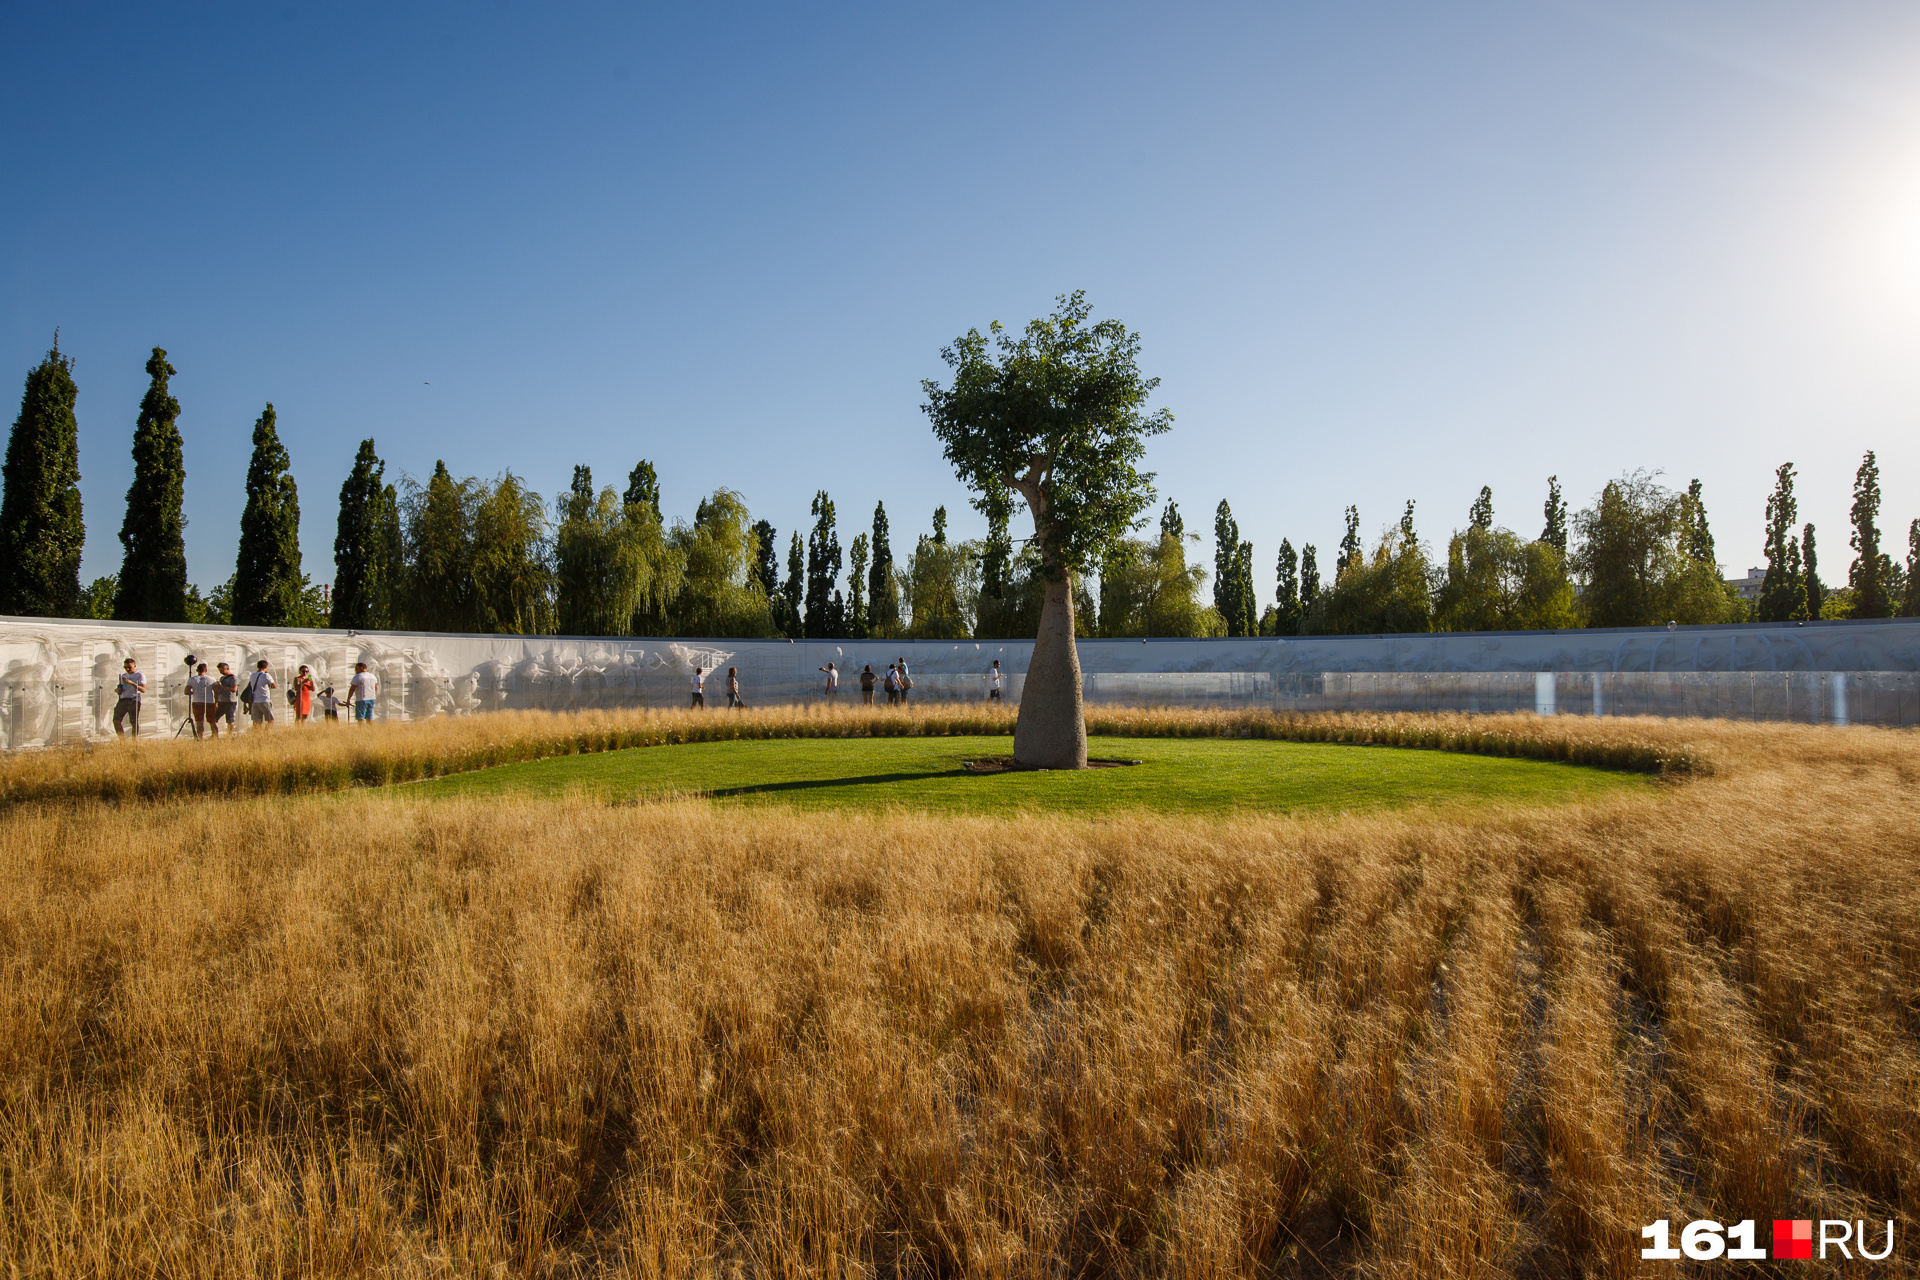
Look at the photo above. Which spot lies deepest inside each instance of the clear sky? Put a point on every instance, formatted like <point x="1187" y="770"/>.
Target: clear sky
<point x="1375" y="251"/>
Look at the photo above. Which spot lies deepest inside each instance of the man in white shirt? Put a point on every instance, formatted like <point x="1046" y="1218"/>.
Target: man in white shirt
<point x="699" y="689"/>
<point x="833" y="681"/>
<point x="993" y="681"/>
<point x="360" y="691"/>
<point x="126" y="706"/>
<point x="260" y="687"/>
<point x="906" y="681"/>
<point x="200" y="702"/>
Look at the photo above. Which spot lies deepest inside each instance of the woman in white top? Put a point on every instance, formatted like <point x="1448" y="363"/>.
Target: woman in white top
<point x="200" y="702"/>
<point x="699" y="689"/>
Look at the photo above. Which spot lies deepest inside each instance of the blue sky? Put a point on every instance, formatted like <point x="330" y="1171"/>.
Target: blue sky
<point x="1375" y="252"/>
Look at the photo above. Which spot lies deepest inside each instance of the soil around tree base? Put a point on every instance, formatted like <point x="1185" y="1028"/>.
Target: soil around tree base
<point x="1007" y="764"/>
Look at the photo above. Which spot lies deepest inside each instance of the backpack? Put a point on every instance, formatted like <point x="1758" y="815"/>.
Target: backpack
<point x="246" y="691"/>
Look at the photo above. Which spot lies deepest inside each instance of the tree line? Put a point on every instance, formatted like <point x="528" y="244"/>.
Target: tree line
<point x="490" y="556"/>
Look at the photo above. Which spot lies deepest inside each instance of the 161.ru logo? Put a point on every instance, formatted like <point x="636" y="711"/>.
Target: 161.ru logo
<point x="1704" y="1241"/>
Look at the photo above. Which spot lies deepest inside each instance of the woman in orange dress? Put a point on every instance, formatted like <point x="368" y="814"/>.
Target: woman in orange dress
<point x="302" y="692"/>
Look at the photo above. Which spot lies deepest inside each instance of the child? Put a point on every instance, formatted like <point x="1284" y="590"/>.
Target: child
<point x="329" y="705"/>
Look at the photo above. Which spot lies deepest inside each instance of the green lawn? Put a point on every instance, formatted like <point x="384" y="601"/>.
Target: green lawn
<point x="1204" y="775"/>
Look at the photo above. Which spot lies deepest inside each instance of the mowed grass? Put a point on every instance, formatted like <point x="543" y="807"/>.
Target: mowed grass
<point x="928" y="774"/>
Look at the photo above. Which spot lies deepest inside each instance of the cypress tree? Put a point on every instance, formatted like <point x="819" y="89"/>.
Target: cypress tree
<point x="826" y="608"/>
<point x="361" y="587"/>
<point x="1870" y="572"/>
<point x="1287" y="598"/>
<point x="267" y="580"/>
<point x="1480" y="515"/>
<point x="795" y="589"/>
<point x="1783" y="591"/>
<point x="643" y="487"/>
<point x="153" y="577"/>
<point x="1810" y="572"/>
<point x="41" y="532"/>
<point x="1555" y="534"/>
<point x="1309" y="583"/>
<point x="883" y="602"/>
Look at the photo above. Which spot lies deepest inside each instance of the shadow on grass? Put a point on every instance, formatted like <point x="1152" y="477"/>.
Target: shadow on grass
<point x="810" y="784"/>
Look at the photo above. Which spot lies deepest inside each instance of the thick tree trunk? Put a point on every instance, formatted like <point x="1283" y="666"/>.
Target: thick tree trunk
<point x="1052" y="730"/>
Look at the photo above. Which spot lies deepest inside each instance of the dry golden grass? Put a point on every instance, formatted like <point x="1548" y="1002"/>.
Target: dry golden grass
<point x="284" y="761"/>
<point x="348" y="1035"/>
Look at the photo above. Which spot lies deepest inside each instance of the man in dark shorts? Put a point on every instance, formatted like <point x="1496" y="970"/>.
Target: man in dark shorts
<point x="126" y="691"/>
<point x="226" y="695"/>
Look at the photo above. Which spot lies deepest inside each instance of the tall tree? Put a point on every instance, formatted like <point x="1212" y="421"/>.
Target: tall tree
<point x="1555" y="534"/>
<point x="439" y="527"/>
<point x="1230" y="595"/>
<point x="1783" y="591"/>
<point x="1286" y="599"/>
<point x="883" y="596"/>
<point x="1910" y="605"/>
<point x="719" y="597"/>
<point x="153" y="576"/>
<point x="267" y="579"/>
<point x="1635" y="559"/>
<point x="766" y="559"/>
<point x="362" y="591"/>
<point x="1871" y="568"/>
<point x="1697" y="538"/>
<point x="1171" y="524"/>
<point x="643" y="488"/>
<point x="1309" y="580"/>
<point x="512" y="560"/>
<point x="1058" y="416"/>
<point x="597" y="571"/>
<point x="857" y="587"/>
<point x="826" y="607"/>
<point x="41" y="532"/>
<point x="795" y="590"/>
<point x="996" y="565"/>
<point x="1480" y="515"/>
<point x="1351" y="554"/>
<point x="1810" y="572"/>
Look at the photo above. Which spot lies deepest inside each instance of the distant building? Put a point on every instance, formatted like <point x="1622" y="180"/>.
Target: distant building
<point x="1749" y="586"/>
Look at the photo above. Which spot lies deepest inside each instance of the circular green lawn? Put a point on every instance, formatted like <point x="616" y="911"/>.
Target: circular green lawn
<point x="1186" y="775"/>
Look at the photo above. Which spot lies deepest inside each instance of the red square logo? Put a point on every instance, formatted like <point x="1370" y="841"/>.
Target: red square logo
<point x="1793" y="1238"/>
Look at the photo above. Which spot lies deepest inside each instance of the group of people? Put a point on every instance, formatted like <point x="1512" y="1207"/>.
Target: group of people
<point x="212" y="698"/>
<point x="898" y="683"/>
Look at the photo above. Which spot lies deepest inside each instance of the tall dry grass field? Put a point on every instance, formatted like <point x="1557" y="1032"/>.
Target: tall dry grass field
<point x="354" y="1034"/>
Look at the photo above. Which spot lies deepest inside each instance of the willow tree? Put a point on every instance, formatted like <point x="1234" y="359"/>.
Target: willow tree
<point x="1058" y="416"/>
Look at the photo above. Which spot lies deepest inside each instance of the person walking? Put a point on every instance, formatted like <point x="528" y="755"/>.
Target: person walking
<point x="699" y="691"/>
<point x="226" y="696"/>
<point x="893" y="685"/>
<point x="329" y="705"/>
<point x="866" y="685"/>
<point x="360" y="692"/>
<point x="260" y="687"/>
<point x="200" y="702"/>
<point x="833" y="682"/>
<point x="733" y="690"/>
<point x="300" y="697"/>
<point x="993" y="681"/>
<point x="127" y="691"/>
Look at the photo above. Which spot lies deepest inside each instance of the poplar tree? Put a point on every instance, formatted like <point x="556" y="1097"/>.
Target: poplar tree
<point x="826" y="607"/>
<point x="1287" y="598"/>
<point x="1171" y="524"/>
<point x="1696" y="537"/>
<point x="795" y="589"/>
<point x="1783" y="591"/>
<point x="267" y="579"/>
<point x="1351" y="555"/>
<point x="41" y="532"/>
<point x="883" y="600"/>
<point x="857" y="588"/>
<point x="1871" y="567"/>
<point x="1309" y="582"/>
<point x="766" y="560"/>
<point x="1480" y="515"/>
<point x="1810" y="572"/>
<point x="362" y="590"/>
<point x="1229" y="596"/>
<point x="1555" y="533"/>
<point x="996" y="564"/>
<point x="643" y="488"/>
<point x="153" y="576"/>
<point x="1910" y="603"/>
<point x="1246" y="595"/>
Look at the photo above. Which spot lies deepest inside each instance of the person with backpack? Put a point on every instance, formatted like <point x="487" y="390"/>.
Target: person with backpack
<point x="259" y="695"/>
<point x="893" y="684"/>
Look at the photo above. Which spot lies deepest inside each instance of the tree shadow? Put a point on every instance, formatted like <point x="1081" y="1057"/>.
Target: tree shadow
<point x="811" y="784"/>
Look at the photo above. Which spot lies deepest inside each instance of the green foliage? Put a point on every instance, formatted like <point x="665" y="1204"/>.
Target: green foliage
<point x="794" y="590"/>
<point x="1058" y="417"/>
<point x="1480" y="516"/>
<point x="883" y="596"/>
<point x="96" y="598"/>
<point x="826" y="608"/>
<point x="1810" y="572"/>
<point x="1498" y="581"/>
<point x="1350" y="550"/>
<point x="643" y="488"/>
<point x="41" y="532"/>
<point x="614" y="574"/>
<point x="1555" y="532"/>
<point x="153" y="576"/>
<point x="1234" y="596"/>
<point x="1148" y="589"/>
<point x="268" y="581"/>
<point x="439" y="532"/>
<point x="1871" y="572"/>
<point x="1636" y="564"/>
<point x="941" y="586"/>
<point x="1783" y="591"/>
<point x="364" y="570"/>
<point x="1910" y="599"/>
<point x="511" y="560"/>
<point x="766" y="559"/>
<point x="1019" y="614"/>
<point x="719" y="595"/>
<point x="1390" y="593"/>
<point x="857" y="587"/>
<point x="1284" y="618"/>
<point x="996" y="563"/>
<point x="1309" y="581"/>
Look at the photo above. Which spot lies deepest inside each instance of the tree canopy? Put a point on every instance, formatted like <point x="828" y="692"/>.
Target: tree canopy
<point x="153" y="576"/>
<point x="41" y="532"/>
